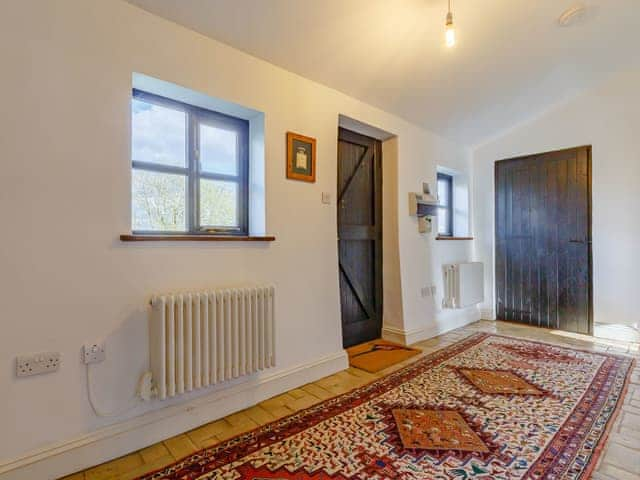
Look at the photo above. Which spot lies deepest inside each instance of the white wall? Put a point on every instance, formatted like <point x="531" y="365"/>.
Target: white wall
<point x="392" y="283"/>
<point x="606" y="118"/>
<point x="65" y="279"/>
<point x="452" y="251"/>
<point x="421" y="255"/>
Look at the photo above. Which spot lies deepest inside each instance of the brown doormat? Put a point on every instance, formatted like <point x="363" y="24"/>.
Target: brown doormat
<point x="378" y="354"/>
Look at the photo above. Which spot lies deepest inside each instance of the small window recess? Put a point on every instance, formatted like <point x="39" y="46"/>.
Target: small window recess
<point x="253" y="225"/>
<point x="453" y="205"/>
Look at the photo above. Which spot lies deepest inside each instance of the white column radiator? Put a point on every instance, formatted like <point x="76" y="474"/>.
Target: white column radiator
<point x="200" y="339"/>
<point x="463" y="284"/>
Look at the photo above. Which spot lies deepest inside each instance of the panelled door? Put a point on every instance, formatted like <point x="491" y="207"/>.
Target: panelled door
<point x="360" y="236"/>
<point x="543" y="240"/>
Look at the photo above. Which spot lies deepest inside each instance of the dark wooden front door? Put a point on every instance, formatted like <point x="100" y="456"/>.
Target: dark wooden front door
<point x="543" y="240"/>
<point x="360" y="236"/>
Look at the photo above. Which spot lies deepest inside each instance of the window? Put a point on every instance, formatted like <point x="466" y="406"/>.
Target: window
<point x="189" y="168"/>
<point x="445" y="205"/>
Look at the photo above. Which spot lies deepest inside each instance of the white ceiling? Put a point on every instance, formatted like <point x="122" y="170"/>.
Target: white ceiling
<point x="512" y="60"/>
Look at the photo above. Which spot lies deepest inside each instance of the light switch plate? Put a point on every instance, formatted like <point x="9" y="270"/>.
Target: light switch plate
<point x="326" y="198"/>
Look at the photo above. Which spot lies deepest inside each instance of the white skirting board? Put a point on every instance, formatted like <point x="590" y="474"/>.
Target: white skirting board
<point x="408" y="337"/>
<point x="122" y="438"/>
<point x="487" y="314"/>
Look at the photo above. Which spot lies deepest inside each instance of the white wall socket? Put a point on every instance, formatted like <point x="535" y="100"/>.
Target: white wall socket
<point x="428" y="291"/>
<point x="94" y="353"/>
<point x="27" y="365"/>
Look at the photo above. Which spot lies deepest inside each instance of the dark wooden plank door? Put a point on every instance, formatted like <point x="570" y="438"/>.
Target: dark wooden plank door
<point x="543" y="240"/>
<point x="360" y="236"/>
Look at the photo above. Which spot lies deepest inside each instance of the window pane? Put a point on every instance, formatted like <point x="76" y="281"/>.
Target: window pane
<point x="443" y="192"/>
<point x="218" y="203"/>
<point x="158" y="134"/>
<point x="158" y="201"/>
<point x="443" y="222"/>
<point x="218" y="150"/>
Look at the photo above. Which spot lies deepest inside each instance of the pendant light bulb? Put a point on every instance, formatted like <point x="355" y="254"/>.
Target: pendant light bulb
<point x="450" y="32"/>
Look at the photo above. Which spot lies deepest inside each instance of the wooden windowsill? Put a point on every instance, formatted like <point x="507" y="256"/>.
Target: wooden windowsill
<point x="195" y="238"/>
<point x="454" y="238"/>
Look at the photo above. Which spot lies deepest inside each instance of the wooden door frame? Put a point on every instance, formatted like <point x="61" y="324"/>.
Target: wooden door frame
<point x="343" y="135"/>
<point x="589" y="222"/>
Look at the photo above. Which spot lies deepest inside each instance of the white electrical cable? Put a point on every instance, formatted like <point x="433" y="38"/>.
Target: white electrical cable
<point x="98" y="411"/>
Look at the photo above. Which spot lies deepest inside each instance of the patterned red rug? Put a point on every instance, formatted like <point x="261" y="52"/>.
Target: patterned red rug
<point x="488" y="407"/>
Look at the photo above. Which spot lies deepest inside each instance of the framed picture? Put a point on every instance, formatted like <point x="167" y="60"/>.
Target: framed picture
<point x="301" y="157"/>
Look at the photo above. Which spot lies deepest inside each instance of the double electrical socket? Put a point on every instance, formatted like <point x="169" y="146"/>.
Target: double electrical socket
<point x="48" y="362"/>
<point x="27" y="365"/>
<point x="428" y="291"/>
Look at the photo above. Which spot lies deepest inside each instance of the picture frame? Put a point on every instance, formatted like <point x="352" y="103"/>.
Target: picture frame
<point x="301" y="157"/>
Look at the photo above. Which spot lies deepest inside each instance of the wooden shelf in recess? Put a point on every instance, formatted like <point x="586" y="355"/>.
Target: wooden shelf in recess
<point x="454" y="238"/>
<point x="195" y="238"/>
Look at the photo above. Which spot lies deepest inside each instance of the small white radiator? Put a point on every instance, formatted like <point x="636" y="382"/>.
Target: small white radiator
<point x="463" y="285"/>
<point x="200" y="339"/>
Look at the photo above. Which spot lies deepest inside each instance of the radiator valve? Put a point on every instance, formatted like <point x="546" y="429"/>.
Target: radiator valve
<point x="146" y="389"/>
